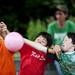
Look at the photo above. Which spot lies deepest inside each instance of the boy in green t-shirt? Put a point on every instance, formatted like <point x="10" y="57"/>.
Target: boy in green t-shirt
<point x="67" y="56"/>
<point x="61" y="26"/>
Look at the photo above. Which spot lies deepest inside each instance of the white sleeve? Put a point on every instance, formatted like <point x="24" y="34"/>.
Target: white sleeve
<point x="37" y="46"/>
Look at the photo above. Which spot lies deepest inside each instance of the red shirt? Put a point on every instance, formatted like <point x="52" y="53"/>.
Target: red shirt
<point x="32" y="61"/>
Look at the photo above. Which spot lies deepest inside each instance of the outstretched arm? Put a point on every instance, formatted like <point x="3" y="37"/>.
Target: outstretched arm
<point x="56" y="50"/>
<point x="37" y="46"/>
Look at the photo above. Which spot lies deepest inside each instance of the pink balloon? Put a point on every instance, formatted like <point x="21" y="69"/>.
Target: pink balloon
<point x="14" y="41"/>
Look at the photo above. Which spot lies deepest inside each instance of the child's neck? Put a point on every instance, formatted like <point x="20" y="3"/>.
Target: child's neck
<point x="70" y="50"/>
<point x="61" y="23"/>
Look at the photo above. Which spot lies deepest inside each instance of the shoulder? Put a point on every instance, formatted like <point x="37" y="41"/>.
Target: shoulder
<point x="1" y="40"/>
<point x="26" y="47"/>
<point x="70" y="22"/>
<point x="71" y="25"/>
<point x="52" y="24"/>
<point x="2" y="45"/>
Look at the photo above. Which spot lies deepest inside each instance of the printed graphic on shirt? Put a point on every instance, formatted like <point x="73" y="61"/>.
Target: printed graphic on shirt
<point x="38" y="56"/>
<point x="59" y="37"/>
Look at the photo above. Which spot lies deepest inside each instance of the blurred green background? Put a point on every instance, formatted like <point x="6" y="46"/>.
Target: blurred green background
<point x="29" y="16"/>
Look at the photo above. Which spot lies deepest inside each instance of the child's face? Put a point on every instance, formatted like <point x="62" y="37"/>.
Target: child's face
<point x="60" y="15"/>
<point x="67" y="44"/>
<point x="40" y="39"/>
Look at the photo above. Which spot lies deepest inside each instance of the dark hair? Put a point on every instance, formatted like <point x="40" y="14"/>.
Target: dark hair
<point x="72" y="36"/>
<point x="47" y="36"/>
<point x="61" y="8"/>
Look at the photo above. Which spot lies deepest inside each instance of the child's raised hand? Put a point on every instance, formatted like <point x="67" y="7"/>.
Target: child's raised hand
<point x="57" y="50"/>
<point x="51" y="51"/>
<point x="3" y="27"/>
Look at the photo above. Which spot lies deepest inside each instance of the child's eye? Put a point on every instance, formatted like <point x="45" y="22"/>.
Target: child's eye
<point x="65" y="40"/>
<point x="43" y="42"/>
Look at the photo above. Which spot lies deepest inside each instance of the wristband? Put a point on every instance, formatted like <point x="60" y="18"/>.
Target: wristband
<point x="48" y="49"/>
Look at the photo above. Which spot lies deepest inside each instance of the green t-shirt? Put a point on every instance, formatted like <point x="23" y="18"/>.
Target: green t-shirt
<point x="67" y="63"/>
<point x="59" y="33"/>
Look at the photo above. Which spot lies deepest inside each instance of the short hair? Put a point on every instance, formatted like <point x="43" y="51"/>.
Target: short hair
<point x="62" y="8"/>
<point x="47" y="36"/>
<point x="72" y="36"/>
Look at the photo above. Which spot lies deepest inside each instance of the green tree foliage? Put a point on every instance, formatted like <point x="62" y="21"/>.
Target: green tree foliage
<point x="17" y="13"/>
<point x="34" y="28"/>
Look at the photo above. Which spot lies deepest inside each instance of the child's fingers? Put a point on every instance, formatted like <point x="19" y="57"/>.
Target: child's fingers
<point x="57" y="50"/>
<point x="51" y="51"/>
<point x="2" y="24"/>
<point x="3" y="27"/>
